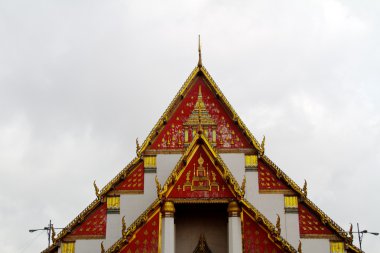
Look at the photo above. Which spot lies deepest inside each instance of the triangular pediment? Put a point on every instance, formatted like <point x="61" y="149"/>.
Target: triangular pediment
<point x="199" y="99"/>
<point x="201" y="175"/>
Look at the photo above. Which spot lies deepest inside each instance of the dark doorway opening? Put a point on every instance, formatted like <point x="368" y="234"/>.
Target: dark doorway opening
<point x="194" y="220"/>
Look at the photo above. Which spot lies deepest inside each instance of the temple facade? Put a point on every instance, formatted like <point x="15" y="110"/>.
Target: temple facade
<point x="201" y="182"/>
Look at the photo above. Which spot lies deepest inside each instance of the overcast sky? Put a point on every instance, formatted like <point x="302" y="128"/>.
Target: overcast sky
<point x="80" y="80"/>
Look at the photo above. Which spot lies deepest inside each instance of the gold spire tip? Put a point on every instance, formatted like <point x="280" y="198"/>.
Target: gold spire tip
<point x="199" y="51"/>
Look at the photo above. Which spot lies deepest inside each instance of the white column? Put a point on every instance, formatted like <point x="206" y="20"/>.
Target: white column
<point x="235" y="244"/>
<point x="168" y="236"/>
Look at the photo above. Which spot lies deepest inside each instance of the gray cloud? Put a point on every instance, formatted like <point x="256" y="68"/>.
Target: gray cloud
<point x="79" y="81"/>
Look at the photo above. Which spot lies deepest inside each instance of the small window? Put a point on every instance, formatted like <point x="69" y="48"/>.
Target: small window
<point x="113" y="204"/>
<point x="337" y="247"/>
<point x="251" y="161"/>
<point x="68" y="247"/>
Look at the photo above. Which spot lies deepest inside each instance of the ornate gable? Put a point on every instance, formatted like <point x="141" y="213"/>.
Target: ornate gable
<point x="181" y="127"/>
<point x="200" y="179"/>
<point x="201" y="174"/>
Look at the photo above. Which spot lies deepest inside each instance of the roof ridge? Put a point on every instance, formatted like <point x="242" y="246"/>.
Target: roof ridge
<point x="162" y="119"/>
<point x="81" y="216"/>
<point x="324" y="217"/>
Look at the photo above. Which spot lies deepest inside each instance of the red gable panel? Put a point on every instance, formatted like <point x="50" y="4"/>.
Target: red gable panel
<point x="215" y="119"/>
<point x="146" y="239"/>
<point x="310" y="225"/>
<point x="268" y="180"/>
<point x="200" y="179"/>
<point x="255" y="237"/>
<point x="134" y="181"/>
<point x="94" y="226"/>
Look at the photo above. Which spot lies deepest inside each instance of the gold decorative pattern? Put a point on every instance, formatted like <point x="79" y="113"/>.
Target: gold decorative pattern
<point x="137" y="147"/>
<point x="68" y="247"/>
<point x="123" y="225"/>
<point x="278" y="224"/>
<point x="243" y="184"/>
<point x="251" y="161"/>
<point x="150" y="162"/>
<point x="336" y="247"/>
<point x="113" y="202"/>
<point x="200" y="139"/>
<point x="291" y="202"/>
<point x="96" y="190"/>
<point x="300" y="247"/>
<point x="262" y="146"/>
<point x="102" y="250"/>
<point x="202" y="246"/>
<point x="233" y="209"/>
<point x="304" y="188"/>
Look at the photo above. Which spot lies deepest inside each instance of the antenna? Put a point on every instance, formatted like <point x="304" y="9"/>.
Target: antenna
<point x="49" y="230"/>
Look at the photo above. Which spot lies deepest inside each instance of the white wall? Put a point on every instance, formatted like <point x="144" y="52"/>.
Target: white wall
<point x="165" y="165"/>
<point x="236" y="164"/>
<point x="133" y="205"/>
<point x="315" y="245"/>
<point x="88" y="246"/>
<point x="292" y="229"/>
<point x="113" y="232"/>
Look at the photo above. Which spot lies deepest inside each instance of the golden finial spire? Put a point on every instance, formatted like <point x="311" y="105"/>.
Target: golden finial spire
<point x="278" y="224"/>
<point x="351" y="234"/>
<point x="304" y="188"/>
<point x="300" y="247"/>
<point x="53" y="234"/>
<point x="102" y="250"/>
<point x="262" y="146"/>
<point x="123" y="225"/>
<point x="137" y="146"/>
<point x="243" y="185"/>
<point x="158" y="186"/>
<point x="199" y="51"/>
<point x="96" y="190"/>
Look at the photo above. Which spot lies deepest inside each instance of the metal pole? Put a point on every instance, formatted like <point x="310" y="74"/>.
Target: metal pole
<point x="49" y="233"/>
<point x="360" y="235"/>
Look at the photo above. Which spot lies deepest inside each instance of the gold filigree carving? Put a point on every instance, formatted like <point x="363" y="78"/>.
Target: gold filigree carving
<point x="202" y="246"/>
<point x="278" y="224"/>
<point x="53" y="234"/>
<point x="123" y="226"/>
<point x="262" y="146"/>
<point x="351" y="235"/>
<point x="102" y="250"/>
<point x="138" y="148"/>
<point x="304" y="188"/>
<point x="96" y="190"/>
<point x="158" y="186"/>
<point x="243" y="184"/>
<point x="300" y="247"/>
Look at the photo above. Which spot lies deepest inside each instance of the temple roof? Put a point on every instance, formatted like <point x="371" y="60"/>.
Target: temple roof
<point x="163" y="194"/>
<point x="200" y="70"/>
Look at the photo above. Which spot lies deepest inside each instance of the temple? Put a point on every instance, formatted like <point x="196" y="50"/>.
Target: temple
<point x="201" y="182"/>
